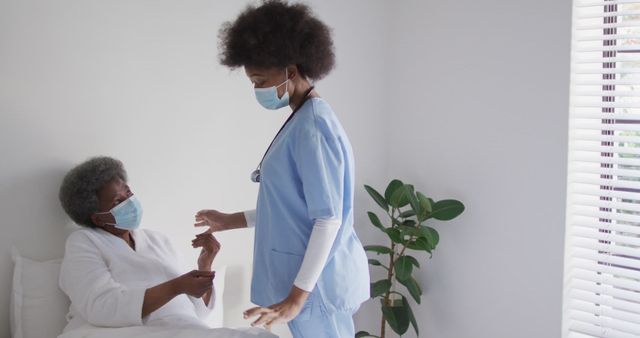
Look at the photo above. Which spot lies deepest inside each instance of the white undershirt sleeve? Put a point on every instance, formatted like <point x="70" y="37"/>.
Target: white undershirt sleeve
<point x="250" y="216"/>
<point x="320" y="243"/>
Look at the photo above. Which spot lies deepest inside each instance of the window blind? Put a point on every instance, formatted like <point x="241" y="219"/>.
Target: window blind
<point x="602" y="248"/>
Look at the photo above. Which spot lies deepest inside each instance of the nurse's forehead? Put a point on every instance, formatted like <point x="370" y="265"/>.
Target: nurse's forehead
<point x="259" y="72"/>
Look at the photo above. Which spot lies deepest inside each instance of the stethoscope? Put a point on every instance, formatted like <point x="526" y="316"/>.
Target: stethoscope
<point x="255" y="175"/>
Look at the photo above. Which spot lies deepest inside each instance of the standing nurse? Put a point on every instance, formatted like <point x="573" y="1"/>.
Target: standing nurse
<point x="310" y="269"/>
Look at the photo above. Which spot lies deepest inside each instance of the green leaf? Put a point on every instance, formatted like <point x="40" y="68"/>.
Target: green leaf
<point x="447" y="209"/>
<point x="420" y="244"/>
<point x="426" y="202"/>
<point x="397" y="316"/>
<point x="378" y="249"/>
<point x="412" y="318"/>
<point x="413" y="200"/>
<point x="395" y="235"/>
<point x="391" y="188"/>
<point x="408" y="213"/>
<point x="409" y="230"/>
<point x="409" y="223"/>
<point x="362" y="334"/>
<point x="400" y="197"/>
<point x="413" y="261"/>
<point x="403" y="268"/>
<point x="431" y="235"/>
<point x="376" y="221"/>
<point x="426" y="205"/>
<point x="390" y="316"/>
<point x="377" y="197"/>
<point x="374" y="262"/>
<point x="414" y="288"/>
<point x="380" y="288"/>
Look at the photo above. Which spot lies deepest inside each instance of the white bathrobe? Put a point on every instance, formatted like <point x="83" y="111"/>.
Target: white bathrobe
<point x="106" y="281"/>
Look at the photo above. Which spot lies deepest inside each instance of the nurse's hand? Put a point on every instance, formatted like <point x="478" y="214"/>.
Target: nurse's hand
<point x="214" y="219"/>
<point x="282" y="312"/>
<point x="210" y="248"/>
<point x="219" y="221"/>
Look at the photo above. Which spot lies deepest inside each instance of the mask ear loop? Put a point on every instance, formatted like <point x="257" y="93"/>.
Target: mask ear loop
<point x="105" y="213"/>
<point x="286" y="83"/>
<point x="286" y="86"/>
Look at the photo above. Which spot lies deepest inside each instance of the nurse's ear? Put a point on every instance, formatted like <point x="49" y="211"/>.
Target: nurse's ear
<point x="293" y="73"/>
<point x="295" y="78"/>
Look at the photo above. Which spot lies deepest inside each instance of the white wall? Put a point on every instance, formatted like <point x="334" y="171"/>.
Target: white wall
<point x="139" y="80"/>
<point x="478" y="111"/>
<point x="465" y="99"/>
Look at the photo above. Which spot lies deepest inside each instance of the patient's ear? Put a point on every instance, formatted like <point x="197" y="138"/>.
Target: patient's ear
<point x="100" y="219"/>
<point x="94" y="220"/>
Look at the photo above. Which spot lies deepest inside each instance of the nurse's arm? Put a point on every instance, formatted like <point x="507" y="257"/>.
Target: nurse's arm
<point x="321" y="241"/>
<point x="249" y="218"/>
<point x="219" y="221"/>
<point x="282" y="312"/>
<point x="244" y="219"/>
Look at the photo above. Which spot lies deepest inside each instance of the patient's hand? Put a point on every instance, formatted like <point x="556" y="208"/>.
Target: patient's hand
<point x="210" y="248"/>
<point x="194" y="283"/>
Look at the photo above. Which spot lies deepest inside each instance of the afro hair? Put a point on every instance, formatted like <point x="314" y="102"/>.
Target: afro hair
<point x="277" y="34"/>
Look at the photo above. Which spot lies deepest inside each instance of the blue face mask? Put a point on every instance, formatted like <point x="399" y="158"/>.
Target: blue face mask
<point x="268" y="97"/>
<point x="127" y="214"/>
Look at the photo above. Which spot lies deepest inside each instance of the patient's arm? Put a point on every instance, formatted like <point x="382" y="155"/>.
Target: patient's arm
<point x="210" y="248"/>
<point x="157" y="296"/>
<point x="98" y="298"/>
<point x="102" y="301"/>
<point x="195" y="283"/>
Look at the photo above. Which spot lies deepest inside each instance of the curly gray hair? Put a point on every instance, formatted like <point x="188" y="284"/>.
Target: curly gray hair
<point x="79" y="190"/>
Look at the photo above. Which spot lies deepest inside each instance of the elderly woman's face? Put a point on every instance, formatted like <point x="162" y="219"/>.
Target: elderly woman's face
<point x="111" y="194"/>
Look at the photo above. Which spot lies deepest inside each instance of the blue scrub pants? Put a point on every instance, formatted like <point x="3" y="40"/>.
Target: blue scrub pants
<point x="314" y="321"/>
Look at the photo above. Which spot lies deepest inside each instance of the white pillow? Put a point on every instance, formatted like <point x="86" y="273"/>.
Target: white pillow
<point x="216" y="318"/>
<point x="38" y="306"/>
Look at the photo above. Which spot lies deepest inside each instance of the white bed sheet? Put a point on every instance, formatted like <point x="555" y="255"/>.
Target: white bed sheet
<point x="167" y="332"/>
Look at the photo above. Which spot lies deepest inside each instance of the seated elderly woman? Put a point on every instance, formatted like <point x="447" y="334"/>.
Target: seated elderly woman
<point x="117" y="275"/>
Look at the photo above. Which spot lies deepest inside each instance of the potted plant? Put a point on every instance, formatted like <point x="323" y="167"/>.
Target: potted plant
<point x="406" y="210"/>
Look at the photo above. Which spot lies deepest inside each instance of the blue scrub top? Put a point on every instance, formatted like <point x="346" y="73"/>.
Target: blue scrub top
<point x="308" y="174"/>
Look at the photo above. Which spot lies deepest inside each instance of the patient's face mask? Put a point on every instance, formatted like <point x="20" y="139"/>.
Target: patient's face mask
<point x="268" y="97"/>
<point x="127" y="214"/>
